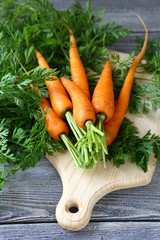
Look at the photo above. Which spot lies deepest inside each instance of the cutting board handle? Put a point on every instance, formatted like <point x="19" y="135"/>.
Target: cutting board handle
<point x="73" y="214"/>
<point x="83" y="188"/>
<point x="74" y="209"/>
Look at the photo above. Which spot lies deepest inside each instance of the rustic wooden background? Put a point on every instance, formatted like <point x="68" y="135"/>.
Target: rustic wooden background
<point x="28" y="202"/>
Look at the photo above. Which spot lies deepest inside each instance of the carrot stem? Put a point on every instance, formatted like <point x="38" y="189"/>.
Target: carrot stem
<point x="101" y="118"/>
<point x="81" y="141"/>
<point x="100" y="126"/>
<point x="93" y="128"/>
<point x="89" y="142"/>
<point x="70" y="121"/>
<point x="79" y="134"/>
<point x="94" y="137"/>
<point x="103" y="157"/>
<point x="73" y="151"/>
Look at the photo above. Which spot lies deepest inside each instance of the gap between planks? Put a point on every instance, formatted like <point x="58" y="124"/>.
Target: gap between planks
<point x="91" y="221"/>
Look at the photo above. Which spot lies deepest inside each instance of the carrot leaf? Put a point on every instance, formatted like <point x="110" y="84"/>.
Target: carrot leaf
<point x="128" y="146"/>
<point x="37" y="24"/>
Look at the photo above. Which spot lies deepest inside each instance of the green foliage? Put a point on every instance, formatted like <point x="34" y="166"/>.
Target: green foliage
<point x="23" y="135"/>
<point x="152" y="57"/>
<point x="26" y="25"/>
<point x="37" y="24"/>
<point x="144" y="96"/>
<point x="128" y="146"/>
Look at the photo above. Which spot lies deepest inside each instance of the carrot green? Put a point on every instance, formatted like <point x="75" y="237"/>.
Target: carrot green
<point x="26" y="25"/>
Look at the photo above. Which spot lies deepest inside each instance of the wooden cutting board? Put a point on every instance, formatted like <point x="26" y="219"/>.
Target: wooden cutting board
<point x="82" y="188"/>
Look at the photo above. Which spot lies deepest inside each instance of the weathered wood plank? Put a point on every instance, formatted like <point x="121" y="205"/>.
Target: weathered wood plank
<point x="120" y="12"/>
<point x="107" y="230"/>
<point x="129" y="43"/>
<point x="33" y="195"/>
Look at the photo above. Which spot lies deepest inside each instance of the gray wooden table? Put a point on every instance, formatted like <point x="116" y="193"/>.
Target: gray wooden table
<point x="28" y="202"/>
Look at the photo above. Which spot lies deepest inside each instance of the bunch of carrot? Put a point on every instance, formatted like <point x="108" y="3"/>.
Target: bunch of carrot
<point x="95" y="122"/>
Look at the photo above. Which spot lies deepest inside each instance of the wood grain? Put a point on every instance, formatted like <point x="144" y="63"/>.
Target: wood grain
<point x="128" y="43"/>
<point x="107" y="230"/>
<point x="119" y="11"/>
<point x="82" y="189"/>
<point x="32" y="196"/>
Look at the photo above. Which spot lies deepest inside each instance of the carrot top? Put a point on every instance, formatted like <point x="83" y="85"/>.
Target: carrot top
<point x="20" y="117"/>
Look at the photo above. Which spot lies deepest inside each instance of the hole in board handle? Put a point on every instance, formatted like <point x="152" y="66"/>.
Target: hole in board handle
<point x="73" y="209"/>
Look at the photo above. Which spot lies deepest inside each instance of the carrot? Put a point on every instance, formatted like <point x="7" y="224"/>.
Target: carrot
<point x="112" y="127"/>
<point x="58" y="129"/>
<point x="77" y="69"/>
<point x="103" y="95"/>
<point x="103" y="101"/>
<point x="58" y="96"/>
<point x="41" y="61"/>
<point x="84" y="119"/>
<point x="82" y="108"/>
<point x="55" y="125"/>
<point x="84" y="116"/>
<point x="62" y="104"/>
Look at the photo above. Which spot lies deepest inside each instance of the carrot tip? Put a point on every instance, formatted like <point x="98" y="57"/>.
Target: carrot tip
<point x="140" y="20"/>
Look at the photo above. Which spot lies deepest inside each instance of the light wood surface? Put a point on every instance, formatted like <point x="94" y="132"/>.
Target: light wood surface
<point x="83" y="188"/>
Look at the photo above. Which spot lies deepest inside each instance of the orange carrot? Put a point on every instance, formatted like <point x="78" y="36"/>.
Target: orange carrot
<point x="63" y="106"/>
<point x="112" y="127"/>
<point x="58" y="129"/>
<point x="77" y="69"/>
<point x="103" y="102"/>
<point x="103" y="95"/>
<point x="82" y="107"/>
<point x="55" y="125"/>
<point x="58" y="96"/>
<point x="41" y="61"/>
<point x="80" y="79"/>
